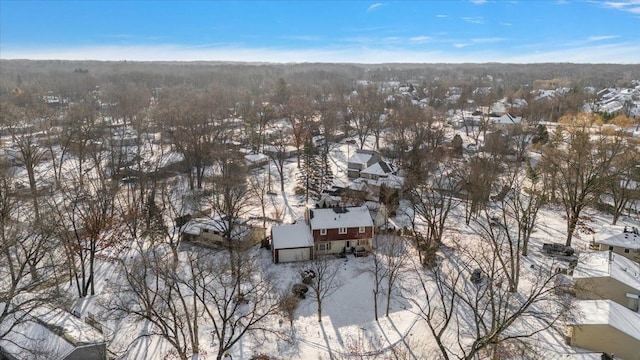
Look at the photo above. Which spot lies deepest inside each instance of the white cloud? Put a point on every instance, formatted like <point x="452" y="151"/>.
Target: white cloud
<point x="420" y="39"/>
<point x="374" y="6"/>
<point x="474" y="19"/>
<point x="478" y="2"/>
<point x="603" y="37"/>
<point x="442" y="16"/>
<point x="632" y="6"/>
<point x="622" y="52"/>
<point x="506" y="24"/>
<point x="487" y="40"/>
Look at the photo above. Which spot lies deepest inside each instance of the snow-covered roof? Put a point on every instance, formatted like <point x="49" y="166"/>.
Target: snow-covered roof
<point x="216" y="226"/>
<point x="627" y="240"/>
<point x="380" y="168"/>
<point x="507" y="119"/>
<point x="607" y="312"/>
<point x="339" y="217"/>
<point x="597" y="264"/>
<point x="256" y="158"/>
<point x="291" y="236"/>
<point x="361" y="157"/>
<point x="38" y="334"/>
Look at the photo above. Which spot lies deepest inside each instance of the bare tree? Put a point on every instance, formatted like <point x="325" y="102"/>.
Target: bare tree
<point x="395" y="262"/>
<point x="379" y="273"/>
<point x="155" y="292"/>
<point x="366" y="107"/>
<point x="28" y="263"/>
<point x="433" y="197"/>
<point x="278" y="155"/>
<point x="299" y="112"/>
<point x="326" y="278"/>
<point x="579" y="164"/>
<point x="237" y="301"/>
<point x="482" y="317"/>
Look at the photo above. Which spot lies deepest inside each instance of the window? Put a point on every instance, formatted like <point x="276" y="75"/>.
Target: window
<point x="610" y="247"/>
<point x="363" y="242"/>
<point x="626" y="251"/>
<point x="361" y="229"/>
<point x="342" y="230"/>
<point x="325" y="246"/>
<point x="323" y="231"/>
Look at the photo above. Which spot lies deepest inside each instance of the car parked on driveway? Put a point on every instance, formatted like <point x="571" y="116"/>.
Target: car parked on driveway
<point x="360" y="251"/>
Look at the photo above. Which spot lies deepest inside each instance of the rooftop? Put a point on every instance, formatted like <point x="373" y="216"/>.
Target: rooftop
<point x="345" y="217"/>
<point x="597" y="264"/>
<point x="607" y="312"/>
<point x="291" y="236"/>
<point x="629" y="239"/>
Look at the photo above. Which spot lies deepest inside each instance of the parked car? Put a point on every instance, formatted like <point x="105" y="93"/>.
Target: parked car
<point x="360" y="251"/>
<point x="558" y="249"/>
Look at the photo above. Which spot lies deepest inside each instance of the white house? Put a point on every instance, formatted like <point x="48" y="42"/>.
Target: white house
<point x="604" y="326"/>
<point x="606" y="275"/>
<point x="626" y="244"/>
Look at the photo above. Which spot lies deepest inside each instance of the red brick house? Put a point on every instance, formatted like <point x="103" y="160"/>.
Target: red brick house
<point x="339" y="229"/>
<point x="324" y="231"/>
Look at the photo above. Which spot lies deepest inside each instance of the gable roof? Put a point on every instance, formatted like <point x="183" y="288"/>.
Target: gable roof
<point x="608" y="264"/>
<point x="607" y="312"/>
<point x="216" y="226"/>
<point x="339" y="217"/>
<point x="507" y="119"/>
<point x="291" y="236"/>
<point x="362" y="156"/>
<point x="627" y="240"/>
<point x="50" y="331"/>
<point x="380" y="168"/>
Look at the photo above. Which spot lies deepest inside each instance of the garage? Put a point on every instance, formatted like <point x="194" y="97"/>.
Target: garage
<point x="291" y="243"/>
<point x="290" y="255"/>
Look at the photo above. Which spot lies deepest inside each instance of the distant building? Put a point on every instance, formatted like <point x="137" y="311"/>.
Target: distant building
<point x="361" y="160"/>
<point x="626" y="244"/>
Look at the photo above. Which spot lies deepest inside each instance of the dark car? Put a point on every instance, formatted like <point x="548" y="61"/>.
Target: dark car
<point x="360" y="251"/>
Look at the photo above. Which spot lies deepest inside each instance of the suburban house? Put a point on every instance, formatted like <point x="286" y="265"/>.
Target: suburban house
<point x="208" y="232"/>
<point x="626" y="244"/>
<point x="324" y="231"/>
<point x="284" y="152"/>
<point x="56" y="333"/>
<point x="378" y="170"/>
<point x="291" y="243"/>
<point x="256" y="160"/>
<point x="604" y="326"/>
<point x="361" y="160"/>
<point x="340" y="229"/>
<point x="608" y="276"/>
<point x="505" y="122"/>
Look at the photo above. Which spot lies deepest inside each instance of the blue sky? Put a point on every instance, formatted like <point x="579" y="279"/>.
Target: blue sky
<point x="523" y="31"/>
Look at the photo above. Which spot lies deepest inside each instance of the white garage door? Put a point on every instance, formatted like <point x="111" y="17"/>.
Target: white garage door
<point x="288" y="255"/>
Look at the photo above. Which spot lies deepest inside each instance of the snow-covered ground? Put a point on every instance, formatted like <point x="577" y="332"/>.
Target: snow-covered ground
<point x="348" y="323"/>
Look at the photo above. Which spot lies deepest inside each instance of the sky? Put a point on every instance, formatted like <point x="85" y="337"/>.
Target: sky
<point x="477" y="31"/>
